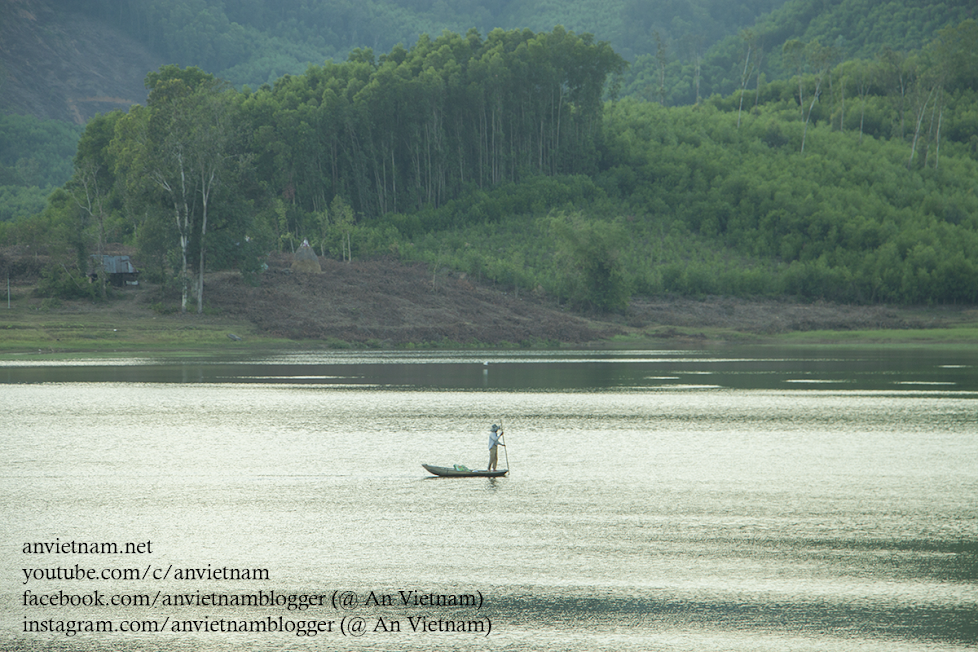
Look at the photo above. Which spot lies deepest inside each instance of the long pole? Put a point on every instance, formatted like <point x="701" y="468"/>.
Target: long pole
<point x="505" y="447"/>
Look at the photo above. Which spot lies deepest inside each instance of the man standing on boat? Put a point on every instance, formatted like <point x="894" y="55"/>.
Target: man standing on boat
<point x="494" y="436"/>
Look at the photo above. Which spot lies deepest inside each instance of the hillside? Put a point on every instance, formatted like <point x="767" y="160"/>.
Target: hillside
<point x="499" y="158"/>
<point x="59" y="65"/>
<point x="389" y="303"/>
<point x="69" y="61"/>
<point x="384" y="303"/>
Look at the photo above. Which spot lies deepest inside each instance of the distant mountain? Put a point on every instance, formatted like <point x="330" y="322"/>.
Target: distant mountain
<point x="57" y="64"/>
<point x="71" y="60"/>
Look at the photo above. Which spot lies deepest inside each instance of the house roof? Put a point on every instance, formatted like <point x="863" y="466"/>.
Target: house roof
<point x="117" y="265"/>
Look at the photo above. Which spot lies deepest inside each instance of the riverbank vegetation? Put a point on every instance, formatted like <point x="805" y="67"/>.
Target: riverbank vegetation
<point x="514" y="159"/>
<point x="352" y="305"/>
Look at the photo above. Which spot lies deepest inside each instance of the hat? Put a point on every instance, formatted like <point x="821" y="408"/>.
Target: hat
<point x="494" y="428"/>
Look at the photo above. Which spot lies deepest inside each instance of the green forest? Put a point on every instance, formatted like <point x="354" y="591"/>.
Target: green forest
<point x="675" y="44"/>
<point x="807" y="154"/>
<point x="253" y="42"/>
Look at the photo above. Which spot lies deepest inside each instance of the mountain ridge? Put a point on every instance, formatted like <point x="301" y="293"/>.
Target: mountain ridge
<point x="59" y="65"/>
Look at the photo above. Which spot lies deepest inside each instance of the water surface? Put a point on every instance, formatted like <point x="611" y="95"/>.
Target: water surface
<point x="657" y="500"/>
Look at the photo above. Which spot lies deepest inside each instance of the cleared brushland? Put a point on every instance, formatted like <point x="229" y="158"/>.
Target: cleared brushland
<point x="387" y="304"/>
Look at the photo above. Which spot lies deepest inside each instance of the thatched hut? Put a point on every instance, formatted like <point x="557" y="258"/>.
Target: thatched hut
<point x="305" y="260"/>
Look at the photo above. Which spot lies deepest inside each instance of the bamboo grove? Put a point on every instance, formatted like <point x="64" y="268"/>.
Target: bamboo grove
<point x="308" y="157"/>
<point x="417" y="127"/>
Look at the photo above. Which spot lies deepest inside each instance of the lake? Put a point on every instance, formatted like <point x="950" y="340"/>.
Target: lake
<point x="675" y="499"/>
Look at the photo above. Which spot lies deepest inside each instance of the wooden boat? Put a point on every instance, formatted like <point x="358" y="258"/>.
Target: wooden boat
<point x="459" y="471"/>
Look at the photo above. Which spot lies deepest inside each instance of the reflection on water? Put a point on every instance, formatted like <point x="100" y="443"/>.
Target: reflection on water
<point x="667" y="500"/>
<point x="879" y="370"/>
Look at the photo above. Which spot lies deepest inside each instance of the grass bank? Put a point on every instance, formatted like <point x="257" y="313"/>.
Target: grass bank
<point x="66" y="333"/>
<point x="388" y="305"/>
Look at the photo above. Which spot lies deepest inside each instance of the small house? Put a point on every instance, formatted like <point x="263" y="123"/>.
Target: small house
<point x="119" y="270"/>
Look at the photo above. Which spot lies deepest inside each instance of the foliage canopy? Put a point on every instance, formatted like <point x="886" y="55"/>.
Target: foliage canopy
<point x="507" y="158"/>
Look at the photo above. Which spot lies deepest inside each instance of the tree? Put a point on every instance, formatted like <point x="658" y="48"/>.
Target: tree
<point x="953" y="63"/>
<point x="93" y="181"/>
<point x="343" y="222"/>
<point x="863" y="73"/>
<point x="820" y="58"/>
<point x="211" y="137"/>
<point x="892" y="67"/>
<point x="90" y="194"/>
<point x="660" y="62"/>
<point x="184" y="147"/>
<point x="750" y="45"/>
<point x="693" y="44"/>
<point x="590" y="249"/>
<point x="793" y="52"/>
<point x="925" y="86"/>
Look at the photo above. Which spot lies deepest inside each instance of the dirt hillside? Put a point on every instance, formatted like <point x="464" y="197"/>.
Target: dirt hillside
<point x="56" y="64"/>
<point x="388" y="302"/>
<point x="392" y="303"/>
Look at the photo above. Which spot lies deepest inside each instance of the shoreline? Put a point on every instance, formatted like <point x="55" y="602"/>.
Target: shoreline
<point x="67" y="334"/>
<point x="388" y="305"/>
